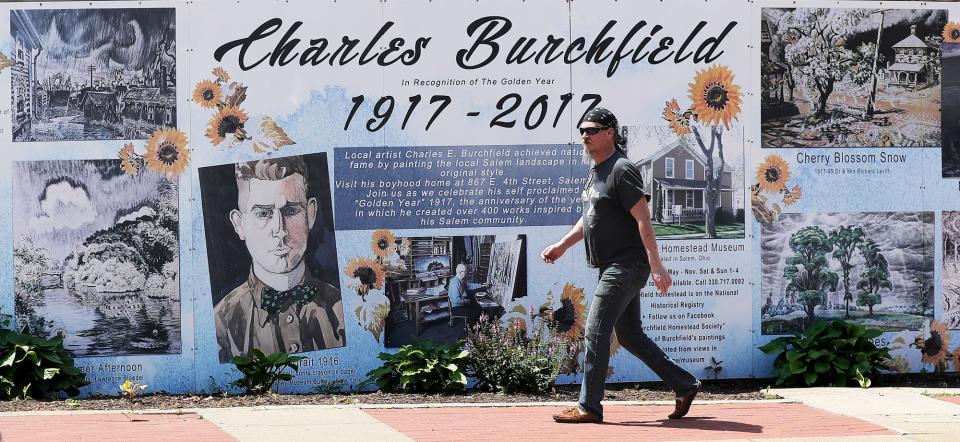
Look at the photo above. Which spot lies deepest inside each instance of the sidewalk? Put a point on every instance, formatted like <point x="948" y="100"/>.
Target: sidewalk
<point x="851" y="414"/>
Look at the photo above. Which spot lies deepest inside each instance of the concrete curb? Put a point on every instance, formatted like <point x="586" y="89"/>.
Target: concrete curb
<point x="199" y="411"/>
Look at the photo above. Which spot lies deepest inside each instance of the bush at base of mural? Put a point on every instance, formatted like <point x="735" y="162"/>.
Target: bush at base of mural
<point x="833" y="353"/>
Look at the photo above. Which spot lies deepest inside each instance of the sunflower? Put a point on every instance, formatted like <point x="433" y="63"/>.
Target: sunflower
<point x="167" y="152"/>
<point x="934" y="349"/>
<point x="951" y="33"/>
<point x="207" y="93"/>
<point x="715" y="98"/>
<point x="955" y="359"/>
<point x="228" y="121"/>
<point x="382" y="243"/>
<point x="679" y="121"/>
<point x="571" y="317"/>
<point x="791" y="196"/>
<point x="130" y="162"/>
<point x="773" y="174"/>
<point x="221" y="74"/>
<point x="367" y="272"/>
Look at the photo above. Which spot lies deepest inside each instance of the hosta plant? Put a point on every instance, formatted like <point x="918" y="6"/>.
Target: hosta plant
<point x="833" y="353"/>
<point x="36" y="367"/>
<point x="261" y="372"/>
<point x="423" y="367"/>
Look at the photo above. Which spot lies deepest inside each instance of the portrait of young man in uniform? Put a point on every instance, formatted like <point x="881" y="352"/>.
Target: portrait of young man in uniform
<point x="280" y="303"/>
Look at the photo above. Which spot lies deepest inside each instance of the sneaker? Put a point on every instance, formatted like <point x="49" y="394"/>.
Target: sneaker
<point x="576" y="416"/>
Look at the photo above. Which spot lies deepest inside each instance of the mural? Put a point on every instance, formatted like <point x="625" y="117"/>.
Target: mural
<point x="271" y="250"/>
<point x="850" y="77"/>
<point x="96" y="257"/>
<point x="93" y="74"/>
<point x="871" y="268"/>
<point x="950" y="151"/>
<point x="437" y="286"/>
<point x="950" y="280"/>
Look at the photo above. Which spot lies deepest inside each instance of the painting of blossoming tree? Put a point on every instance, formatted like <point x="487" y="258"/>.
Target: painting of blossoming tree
<point x="851" y="77"/>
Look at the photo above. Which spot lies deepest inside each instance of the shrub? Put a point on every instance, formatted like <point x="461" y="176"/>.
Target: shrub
<point x="422" y="367"/>
<point x="831" y="353"/>
<point x="261" y="372"/>
<point x="35" y="367"/>
<point x="509" y="360"/>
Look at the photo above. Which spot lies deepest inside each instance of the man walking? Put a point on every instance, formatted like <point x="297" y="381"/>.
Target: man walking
<point x="620" y="242"/>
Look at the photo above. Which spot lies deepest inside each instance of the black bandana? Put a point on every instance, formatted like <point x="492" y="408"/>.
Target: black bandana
<point x="605" y="118"/>
<point x="600" y="116"/>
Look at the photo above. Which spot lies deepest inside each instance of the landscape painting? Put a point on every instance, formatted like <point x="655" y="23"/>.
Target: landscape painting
<point x="875" y="269"/>
<point x="950" y="280"/>
<point x="92" y="74"/>
<point x="96" y="257"/>
<point x="839" y="77"/>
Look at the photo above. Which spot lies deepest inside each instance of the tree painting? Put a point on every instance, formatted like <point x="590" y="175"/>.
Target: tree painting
<point x="715" y="100"/>
<point x="845" y="240"/>
<point x="807" y="269"/>
<point x="851" y="77"/>
<point x="872" y="268"/>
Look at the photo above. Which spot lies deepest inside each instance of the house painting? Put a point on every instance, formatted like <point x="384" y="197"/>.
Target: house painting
<point x="26" y="48"/>
<point x="675" y="176"/>
<point x="910" y="66"/>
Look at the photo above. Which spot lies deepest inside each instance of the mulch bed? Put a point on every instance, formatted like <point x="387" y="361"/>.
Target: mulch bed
<point x="738" y="389"/>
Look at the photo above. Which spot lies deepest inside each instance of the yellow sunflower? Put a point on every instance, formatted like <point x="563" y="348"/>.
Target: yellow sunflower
<point x="207" y="93"/>
<point x="934" y="350"/>
<point x="715" y="98"/>
<point x="367" y="272"/>
<point x="576" y="300"/>
<point x="130" y="162"/>
<point x="792" y="195"/>
<point x="167" y="152"/>
<point x="679" y="121"/>
<point x="951" y="33"/>
<point x="221" y="74"/>
<point x="228" y="120"/>
<point x="382" y="243"/>
<point x="773" y="174"/>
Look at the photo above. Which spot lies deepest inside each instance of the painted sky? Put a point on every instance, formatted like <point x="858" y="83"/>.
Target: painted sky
<point x="125" y="39"/>
<point x="905" y="238"/>
<point x="60" y="203"/>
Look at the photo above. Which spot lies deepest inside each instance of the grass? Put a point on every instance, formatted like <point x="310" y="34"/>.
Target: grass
<point x="725" y="231"/>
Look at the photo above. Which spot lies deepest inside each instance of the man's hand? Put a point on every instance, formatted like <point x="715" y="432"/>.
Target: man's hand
<point x="552" y="253"/>
<point x="661" y="278"/>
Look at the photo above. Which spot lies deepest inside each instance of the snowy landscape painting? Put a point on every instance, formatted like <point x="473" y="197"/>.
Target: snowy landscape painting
<point x="92" y="74"/>
<point x="841" y="77"/>
<point x="875" y="269"/>
<point x="96" y="257"/>
<point x="950" y="280"/>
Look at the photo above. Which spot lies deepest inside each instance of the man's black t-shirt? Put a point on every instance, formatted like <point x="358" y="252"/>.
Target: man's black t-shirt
<point x="610" y="232"/>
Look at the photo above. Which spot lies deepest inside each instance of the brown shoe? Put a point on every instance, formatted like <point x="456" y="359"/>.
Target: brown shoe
<point x="576" y="416"/>
<point x="683" y="405"/>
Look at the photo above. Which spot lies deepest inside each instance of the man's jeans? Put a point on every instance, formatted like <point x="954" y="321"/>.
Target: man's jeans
<point x="616" y="304"/>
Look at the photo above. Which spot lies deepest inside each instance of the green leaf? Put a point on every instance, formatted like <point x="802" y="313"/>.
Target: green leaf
<point x="797" y="367"/>
<point x="810" y="378"/>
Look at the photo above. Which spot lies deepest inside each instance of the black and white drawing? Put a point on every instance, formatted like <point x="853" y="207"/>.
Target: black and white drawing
<point x="950" y="280"/>
<point x="875" y="269"/>
<point x="92" y="74"/>
<point x="96" y="257"/>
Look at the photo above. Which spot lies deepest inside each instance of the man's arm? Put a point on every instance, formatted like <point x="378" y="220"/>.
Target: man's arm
<point x="661" y="278"/>
<point x="554" y="251"/>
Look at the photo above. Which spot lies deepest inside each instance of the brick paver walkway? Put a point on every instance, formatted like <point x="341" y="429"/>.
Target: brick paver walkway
<point x="626" y="422"/>
<point x="109" y="427"/>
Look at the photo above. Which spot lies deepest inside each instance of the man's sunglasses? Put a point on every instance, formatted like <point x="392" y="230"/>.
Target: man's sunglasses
<point x="591" y="130"/>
